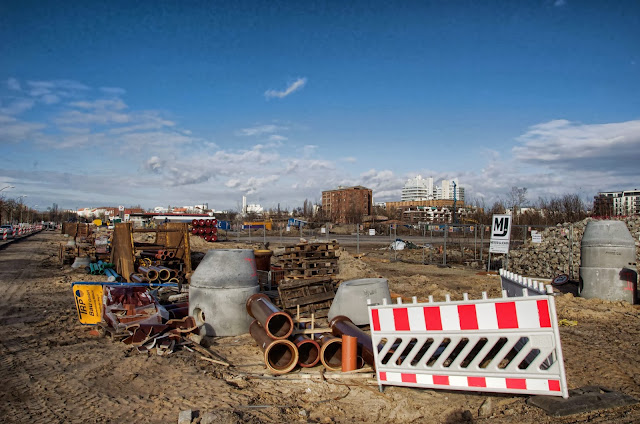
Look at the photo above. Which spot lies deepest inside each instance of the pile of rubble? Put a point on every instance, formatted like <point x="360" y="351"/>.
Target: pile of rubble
<point x="559" y="251"/>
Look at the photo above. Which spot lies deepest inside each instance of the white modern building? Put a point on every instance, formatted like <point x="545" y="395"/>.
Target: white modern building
<point x="418" y="188"/>
<point x="625" y="202"/>
<point x="446" y="191"/>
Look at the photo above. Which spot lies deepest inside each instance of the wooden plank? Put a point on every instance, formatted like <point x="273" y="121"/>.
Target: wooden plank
<point x="287" y="284"/>
<point x="122" y="250"/>
<point x="320" y="297"/>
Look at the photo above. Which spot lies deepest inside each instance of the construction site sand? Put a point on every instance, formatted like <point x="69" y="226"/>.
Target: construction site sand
<point x="53" y="371"/>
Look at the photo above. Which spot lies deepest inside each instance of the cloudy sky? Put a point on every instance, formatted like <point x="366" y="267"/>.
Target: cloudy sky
<point x="179" y="103"/>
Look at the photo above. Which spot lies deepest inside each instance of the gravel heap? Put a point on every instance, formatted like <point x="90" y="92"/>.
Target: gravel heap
<point x="559" y="252"/>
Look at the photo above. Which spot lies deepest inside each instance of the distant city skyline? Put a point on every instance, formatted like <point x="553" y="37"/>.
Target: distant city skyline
<point x="279" y="101"/>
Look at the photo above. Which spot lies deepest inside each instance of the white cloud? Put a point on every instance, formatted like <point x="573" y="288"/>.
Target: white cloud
<point x="155" y="164"/>
<point x="292" y="88"/>
<point x="17" y="107"/>
<point x="277" y="137"/>
<point x="115" y="91"/>
<point x="13" y="84"/>
<point x="309" y="150"/>
<point x="50" y="99"/>
<point x="560" y="144"/>
<point x="349" y="159"/>
<point x="260" y="130"/>
<point x="13" y="130"/>
<point x="100" y="104"/>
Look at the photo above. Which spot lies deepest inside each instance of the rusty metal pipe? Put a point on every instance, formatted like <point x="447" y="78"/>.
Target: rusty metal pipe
<point x="349" y="353"/>
<point x="163" y="273"/>
<point x="331" y="352"/>
<point x="342" y="325"/>
<point x="277" y="324"/>
<point x="138" y="278"/>
<point x="308" y="351"/>
<point x="148" y="272"/>
<point x="280" y="356"/>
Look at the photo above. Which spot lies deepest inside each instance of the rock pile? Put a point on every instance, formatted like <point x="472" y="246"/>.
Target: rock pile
<point x="559" y="252"/>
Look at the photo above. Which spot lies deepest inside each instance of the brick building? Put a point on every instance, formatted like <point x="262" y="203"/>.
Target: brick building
<point x="347" y="205"/>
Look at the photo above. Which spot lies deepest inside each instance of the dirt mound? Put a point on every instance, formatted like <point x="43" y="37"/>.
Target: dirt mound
<point x="352" y="268"/>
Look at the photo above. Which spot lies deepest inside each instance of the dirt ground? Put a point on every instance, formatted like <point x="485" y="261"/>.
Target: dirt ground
<point x="53" y="371"/>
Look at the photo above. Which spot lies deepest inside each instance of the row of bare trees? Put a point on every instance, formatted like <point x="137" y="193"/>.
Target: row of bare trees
<point x="546" y="211"/>
<point x="13" y="212"/>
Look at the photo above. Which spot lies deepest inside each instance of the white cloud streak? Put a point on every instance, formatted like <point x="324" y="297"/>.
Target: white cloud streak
<point x="292" y="88"/>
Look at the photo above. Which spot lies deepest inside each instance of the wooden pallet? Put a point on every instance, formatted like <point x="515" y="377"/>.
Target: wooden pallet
<point x="312" y="295"/>
<point x="310" y="247"/>
<point x="328" y="254"/>
<point x="330" y="263"/>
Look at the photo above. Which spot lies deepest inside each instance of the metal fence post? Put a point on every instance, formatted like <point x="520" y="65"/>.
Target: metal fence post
<point x="571" y="251"/>
<point x="444" y="251"/>
<point x="395" y="237"/>
<point x="424" y="241"/>
<point x="475" y="243"/>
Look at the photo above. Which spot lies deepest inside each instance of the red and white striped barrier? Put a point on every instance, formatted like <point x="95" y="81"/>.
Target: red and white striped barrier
<point x="507" y="345"/>
<point x="4" y="234"/>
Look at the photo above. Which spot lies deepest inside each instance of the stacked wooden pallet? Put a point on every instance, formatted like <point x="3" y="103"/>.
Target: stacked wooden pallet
<point x="313" y="296"/>
<point x="309" y="260"/>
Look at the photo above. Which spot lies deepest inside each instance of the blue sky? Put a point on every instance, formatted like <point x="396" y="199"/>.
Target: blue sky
<point x="181" y="103"/>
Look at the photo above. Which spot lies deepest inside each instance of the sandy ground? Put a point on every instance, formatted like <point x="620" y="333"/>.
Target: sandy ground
<point x="53" y="371"/>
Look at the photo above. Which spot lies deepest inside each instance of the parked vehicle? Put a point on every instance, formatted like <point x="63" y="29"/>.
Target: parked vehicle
<point x="9" y="229"/>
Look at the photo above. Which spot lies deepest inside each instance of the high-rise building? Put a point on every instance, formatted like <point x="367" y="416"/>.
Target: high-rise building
<point x="446" y="191"/>
<point x="347" y="204"/>
<point x="418" y="188"/>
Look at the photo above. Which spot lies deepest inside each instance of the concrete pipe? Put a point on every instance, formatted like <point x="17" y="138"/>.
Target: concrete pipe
<point x="280" y="356"/>
<point x="221" y="311"/>
<point x="351" y="298"/>
<point x="277" y="324"/>
<point x="308" y="351"/>
<point x="342" y="325"/>
<point x="330" y="352"/>
<point x="226" y="268"/>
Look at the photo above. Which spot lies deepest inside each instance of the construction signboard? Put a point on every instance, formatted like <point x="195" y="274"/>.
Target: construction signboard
<point x="500" y="233"/>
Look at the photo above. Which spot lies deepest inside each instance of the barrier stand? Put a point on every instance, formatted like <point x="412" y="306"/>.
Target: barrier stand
<point x="515" y="285"/>
<point x="504" y="345"/>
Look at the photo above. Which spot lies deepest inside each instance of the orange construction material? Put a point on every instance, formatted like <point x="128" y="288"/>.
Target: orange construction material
<point x="349" y="353"/>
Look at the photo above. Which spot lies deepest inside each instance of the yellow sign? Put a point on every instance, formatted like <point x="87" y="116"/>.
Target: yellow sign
<point x="97" y="222"/>
<point x="88" y="298"/>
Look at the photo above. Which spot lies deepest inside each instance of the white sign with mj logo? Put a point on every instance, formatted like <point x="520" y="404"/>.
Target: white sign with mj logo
<point x="500" y="233"/>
